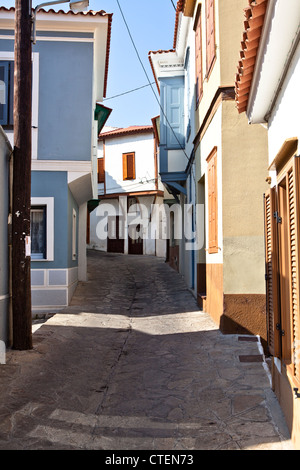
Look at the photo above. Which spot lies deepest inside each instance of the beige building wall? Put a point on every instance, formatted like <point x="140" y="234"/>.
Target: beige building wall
<point x="231" y="24"/>
<point x="245" y="158"/>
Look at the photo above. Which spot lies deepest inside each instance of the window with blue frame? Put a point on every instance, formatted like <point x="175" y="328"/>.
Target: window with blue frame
<point x="6" y="93"/>
<point x="172" y="118"/>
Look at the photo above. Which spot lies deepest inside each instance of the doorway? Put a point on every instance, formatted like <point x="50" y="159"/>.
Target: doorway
<point x="135" y="241"/>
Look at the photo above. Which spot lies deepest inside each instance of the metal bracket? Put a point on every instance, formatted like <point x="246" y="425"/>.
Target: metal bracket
<point x="278" y="328"/>
<point x="277" y="217"/>
<point x="297" y="394"/>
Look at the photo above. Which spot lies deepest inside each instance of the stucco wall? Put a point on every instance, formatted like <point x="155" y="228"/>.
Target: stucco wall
<point x="231" y="14"/>
<point x="284" y="122"/>
<point x="68" y="116"/>
<point x="245" y="162"/>
<point x="5" y="151"/>
<point x="143" y="146"/>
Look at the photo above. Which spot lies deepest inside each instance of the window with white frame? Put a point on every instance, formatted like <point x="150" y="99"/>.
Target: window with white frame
<point x="6" y="92"/>
<point x="6" y="96"/>
<point x="42" y="229"/>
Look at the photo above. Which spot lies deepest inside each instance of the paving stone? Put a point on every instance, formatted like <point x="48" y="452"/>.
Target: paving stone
<point x="133" y="364"/>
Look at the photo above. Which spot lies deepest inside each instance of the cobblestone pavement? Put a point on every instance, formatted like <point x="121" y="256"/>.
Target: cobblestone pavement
<point x="133" y="364"/>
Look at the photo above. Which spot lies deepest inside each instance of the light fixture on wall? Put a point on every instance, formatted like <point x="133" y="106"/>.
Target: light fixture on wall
<point x="75" y="6"/>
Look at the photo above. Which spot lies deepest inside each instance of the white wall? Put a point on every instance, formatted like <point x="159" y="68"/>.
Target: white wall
<point x="143" y="146"/>
<point x="285" y="122"/>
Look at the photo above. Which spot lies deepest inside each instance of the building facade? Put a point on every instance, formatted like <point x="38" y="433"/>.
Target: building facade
<point x="267" y="91"/>
<point x="222" y="156"/>
<point x="70" y="66"/>
<point x="129" y="191"/>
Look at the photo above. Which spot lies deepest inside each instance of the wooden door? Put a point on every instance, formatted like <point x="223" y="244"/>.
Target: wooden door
<point x="115" y="239"/>
<point x="135" y="243"/>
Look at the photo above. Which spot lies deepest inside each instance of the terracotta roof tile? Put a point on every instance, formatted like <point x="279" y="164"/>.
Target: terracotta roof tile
<point x="179" y="9"/>
<point x="126" y="131"/>
<point x="254" y="21"/>
<point x="62" y="12"/>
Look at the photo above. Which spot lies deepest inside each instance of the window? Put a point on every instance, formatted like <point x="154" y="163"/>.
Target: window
<point x="42" y="229"/>
<point x="198" y="47"/>
<point x="172" y="122"/>
<point x="6" y="92"/>
<point x="210" y="36"/>
<point x="38" y="232"/>
<point x="128" y="166"/>
<point x="74" y="235"/>
<point x="212" y="202"/>
<point x="101" y="172"/>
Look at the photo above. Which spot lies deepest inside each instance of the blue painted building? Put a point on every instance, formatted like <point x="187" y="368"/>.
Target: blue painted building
<point x="70" y="68"/>
<point x="174" y="74"/>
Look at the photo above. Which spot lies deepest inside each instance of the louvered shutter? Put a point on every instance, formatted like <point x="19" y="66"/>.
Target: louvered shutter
<point x="199" y="73"/>
<point x="210" y="34"/>
<point x="212" y="203"/>
<point x="101" y="173"/>
<point x="293" y="214"/>
<point x="272" y="284"/>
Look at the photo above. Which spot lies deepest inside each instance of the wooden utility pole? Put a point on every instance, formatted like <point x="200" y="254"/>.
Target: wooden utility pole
<point x="21" y="281"/>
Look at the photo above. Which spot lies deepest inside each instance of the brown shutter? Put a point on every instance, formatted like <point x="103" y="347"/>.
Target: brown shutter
<point x="293" y="214"/>
<point x="101" y="173"/>
<point x="272" y="285"/>
<point x="124" y="166"/>
<point x="198" y="47"/>
<point x="212" y="202"/>
<point x="210" y="34"/>
<point x="128" y="166"/>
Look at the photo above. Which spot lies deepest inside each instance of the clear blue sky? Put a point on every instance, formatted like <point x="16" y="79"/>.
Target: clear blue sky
<point x="151" y="24"/>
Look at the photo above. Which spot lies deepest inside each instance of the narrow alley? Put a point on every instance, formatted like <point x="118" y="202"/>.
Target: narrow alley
<point x="132" y="364"/>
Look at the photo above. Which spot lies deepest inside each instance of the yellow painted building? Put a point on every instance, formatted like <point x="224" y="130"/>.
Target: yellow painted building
<point x="223" y="157"/>
<point x="231" y="159"/>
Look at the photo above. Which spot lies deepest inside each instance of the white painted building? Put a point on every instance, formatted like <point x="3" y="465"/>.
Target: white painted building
<point x="128" y="190"/>
<point x="268" y="92"/>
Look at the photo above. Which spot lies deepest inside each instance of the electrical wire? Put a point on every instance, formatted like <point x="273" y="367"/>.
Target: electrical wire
<point x="150" y="84"/>
<point x="127" y="92"/>
<point x="133" y="185"/>
<point x="173" y="5"/>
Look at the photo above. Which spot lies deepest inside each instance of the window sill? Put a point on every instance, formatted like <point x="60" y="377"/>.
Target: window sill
<point x="41" y="260"/>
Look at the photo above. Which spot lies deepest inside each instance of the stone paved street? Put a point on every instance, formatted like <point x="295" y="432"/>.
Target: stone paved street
<point x="133" y="364"/>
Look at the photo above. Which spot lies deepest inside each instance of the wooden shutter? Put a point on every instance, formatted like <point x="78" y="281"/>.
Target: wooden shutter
<point x="212" y="202"/>
<point x="272" y="284"/>
<point x="210" y="34"/>
<point x="175" y="113"/>
<point x="293" y="214"/>
<point x="101" y="172"/>
<point x="128" y="166"/>
<point x="198" y="47"/>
